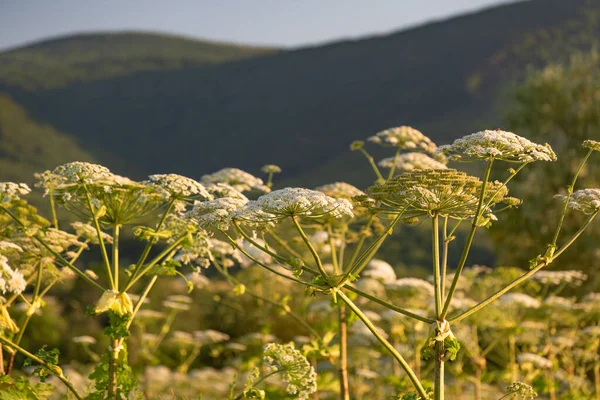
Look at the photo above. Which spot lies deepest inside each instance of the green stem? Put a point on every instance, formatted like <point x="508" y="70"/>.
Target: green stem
<point x="283" y="244"/>
<point x="54" y="253"/>
<point x="467" y="248"/>
<point x="438" y="383"/>
<point x="140" y="301"/>
<point x="115" y="255"/>
<point x="343" y="365"/>
<point x="155" y="261"/>
<point x="445" y="245"/>
<point x="53" y="369"/>
<point x="361" y="241"/>
<point x="100" y="238"/>
<point x="393" y="169"/>
<point x="569" y="193"/>
<point x="389" y="306"/>
<point x="334" y="259"/>
<point x="380" y="177"/>
<point x="310" y="247"/>
<point x="53" y="210"/>
<point x="361" y="262"/>
<point x="541" y="264"/>
<point x="149" y="245"/>
<point x="435" y="232"/>
<point x="411" y="375"/>
<point x="257" y="262"/>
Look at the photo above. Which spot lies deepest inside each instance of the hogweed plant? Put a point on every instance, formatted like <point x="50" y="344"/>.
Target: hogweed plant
<point x="324" y="241"/>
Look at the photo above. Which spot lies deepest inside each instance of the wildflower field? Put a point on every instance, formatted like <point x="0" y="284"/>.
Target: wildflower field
<point x="227" y="288"/>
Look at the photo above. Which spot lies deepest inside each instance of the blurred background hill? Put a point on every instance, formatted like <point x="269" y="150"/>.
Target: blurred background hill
<point x="145" y="103"/>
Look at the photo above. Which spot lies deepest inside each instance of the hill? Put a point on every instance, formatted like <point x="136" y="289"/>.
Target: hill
<point x="300" y="108"/>
<point x="63" y="61"/>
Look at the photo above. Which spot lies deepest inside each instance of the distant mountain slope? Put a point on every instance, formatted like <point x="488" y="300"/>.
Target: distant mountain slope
<point x="62" y="61"/>
<point x="28" y="146"/>
<point x="300" y="109"/>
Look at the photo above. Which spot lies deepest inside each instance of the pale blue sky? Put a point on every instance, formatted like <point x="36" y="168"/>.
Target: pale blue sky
<point x="288" y="23"/>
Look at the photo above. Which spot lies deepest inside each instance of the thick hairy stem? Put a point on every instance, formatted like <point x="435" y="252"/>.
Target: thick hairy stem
<point x="112" y="370"/>
<point x="438" y="382"/>
<point x="435" y="234"/>
<point x="343" y="367"/>
<point x="411" y="374"/>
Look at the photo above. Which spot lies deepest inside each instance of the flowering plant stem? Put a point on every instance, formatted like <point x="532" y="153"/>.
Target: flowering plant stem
<point x="149" y="245"/>
<point x="60" y="258"/>
<point x="99" y="234"/>
<point x="569" y="193"/>
<point x="53" y="369"/>
<point x="541" y="264"/>
<point x="311" y="248"/>
<point x="469" y="242"/>
<point x="411" y="374"/>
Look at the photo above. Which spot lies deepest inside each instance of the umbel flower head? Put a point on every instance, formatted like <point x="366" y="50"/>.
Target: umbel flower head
<point x="114" y="199"/>
<point x="521" y="390"/>
<point x="404" y="137"/>
<point x="340" y="190"/>
<point x="585" y="200"/>
<point x="497" y="145"/>
<point x="445" y="192"/>
<point x="411" y="161"/>
<point x="177" y="187"/>
<point x="293" y="202"/>
<point x="215" y="214"/>
<point x="10" y="191"/>
<point x="297" y="371"/>
<point x="238" y="179"/>
<point x="592" y="144"/>
<point x="11" y="280"/>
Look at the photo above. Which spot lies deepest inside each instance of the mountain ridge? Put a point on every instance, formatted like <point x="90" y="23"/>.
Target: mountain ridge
<point x="301" y="108"/>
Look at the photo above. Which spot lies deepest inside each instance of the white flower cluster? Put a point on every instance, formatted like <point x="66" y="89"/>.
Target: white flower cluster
<point x="238" y="179"/>
<point x="10" y="191"/>
<point x="585" y="200"/>
<point x="297" y="371"/>
<point x="294" y="202"/>
<point x="575" y="278"/>
<point x="380" y="270"/>
<point x="196" y="251"/>
<point x="521" y="390"/>
<point x="173" y="186"/>
<point x="519" y="300"/>
<point x="215" y="214"/>
<point x="404" y="137"/>
<point x="410" y="284"/>
<point x="537" y="361"/>
<point x="11" y="280"/>
<point x="210" y="336"/>
<point x="559" y="302"/>
<point x="411" y="161"/>
<point x="592" y="144"/>
<point x="76" y="172"/>
<point x="340" y="190"/>
<point x="499" y="145"/>
<point x="88" y="233"/>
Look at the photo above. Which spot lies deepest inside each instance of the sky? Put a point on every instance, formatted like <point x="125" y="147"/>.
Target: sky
<point x="281" y="23"/>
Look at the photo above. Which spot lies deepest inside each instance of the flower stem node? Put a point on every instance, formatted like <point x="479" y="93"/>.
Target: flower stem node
<point x="112" y="300"/>
<point x="440" y="332"/>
